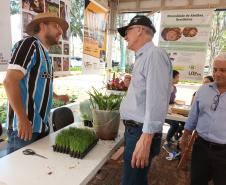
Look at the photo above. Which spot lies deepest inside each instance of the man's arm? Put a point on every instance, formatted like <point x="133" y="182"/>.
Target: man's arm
<point x="157" y="99"/>
<point x="12" y="88"/>
<point x="190" y="124"/>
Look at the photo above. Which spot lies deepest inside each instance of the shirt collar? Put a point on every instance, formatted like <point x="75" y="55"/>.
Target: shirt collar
<point x="41" y="43"/>
<point x="142" y="49"/>
<point x="213" y="85"/>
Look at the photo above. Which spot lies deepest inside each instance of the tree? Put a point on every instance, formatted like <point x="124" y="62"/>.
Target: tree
<point x="77" y="16"/>
<point x="14" y="7"/>
<point x="217" y="38"/>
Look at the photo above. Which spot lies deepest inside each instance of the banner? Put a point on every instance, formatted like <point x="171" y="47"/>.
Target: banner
<point x="5" y="34"/>
<point x="59" y="53"/>
<point x="184" y="34"/>
<point x="95" y="33"/>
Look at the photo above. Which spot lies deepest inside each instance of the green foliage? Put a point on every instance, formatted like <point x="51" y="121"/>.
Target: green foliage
<point x="77" y="16"/>
<point x="3" y="114"/>
<point x="76" y="68"/>
<point x="59" y="103"/>
<point x="14" y="7"/>
<point x="76" y="139"/>
<point x="56" y="103"/>
<point x="102" y="101"/>
<point x="129" y="68"/>
<point x="85" y="110"/>
<point x="217" y="40"/>
<point x="72" y="98"/>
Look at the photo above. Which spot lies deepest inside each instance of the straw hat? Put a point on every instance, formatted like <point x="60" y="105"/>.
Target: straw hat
<point x="46" y="17"/>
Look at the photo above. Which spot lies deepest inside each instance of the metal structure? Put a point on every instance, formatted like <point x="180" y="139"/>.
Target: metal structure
<point x="158" y="5"/>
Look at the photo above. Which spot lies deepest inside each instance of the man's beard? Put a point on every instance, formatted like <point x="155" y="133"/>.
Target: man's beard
<point x="51" y="40"/>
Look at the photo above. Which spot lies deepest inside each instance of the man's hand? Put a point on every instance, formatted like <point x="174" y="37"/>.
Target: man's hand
<point x="184" y="140"/>
<point x="140" y="157"/>
<point x="24" y="129"/>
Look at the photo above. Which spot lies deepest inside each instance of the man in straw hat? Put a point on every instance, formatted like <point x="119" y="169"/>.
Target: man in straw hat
<point x="208" y="118"/>
<point x="29" y="81"/>
<point x="145" y="106"/>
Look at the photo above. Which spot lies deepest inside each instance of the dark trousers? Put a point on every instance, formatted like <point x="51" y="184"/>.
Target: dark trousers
<point x="176" y="129"/>
<point x="208" y="162"/>
<point x="15" y="143"/>
<point x="137" y="176"/>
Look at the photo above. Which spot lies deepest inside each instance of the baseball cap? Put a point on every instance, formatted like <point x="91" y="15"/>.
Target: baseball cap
<point x="137" y="20"/>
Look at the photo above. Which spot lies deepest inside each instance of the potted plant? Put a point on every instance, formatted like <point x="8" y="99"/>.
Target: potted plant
<point x="106" y="117"/>
<point x="86" y="113"/>
<point x="116" y="84"/>
<point x="3" y="115"/>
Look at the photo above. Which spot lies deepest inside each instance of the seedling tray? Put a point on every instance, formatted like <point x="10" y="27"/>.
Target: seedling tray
<point x="72" y="153"/>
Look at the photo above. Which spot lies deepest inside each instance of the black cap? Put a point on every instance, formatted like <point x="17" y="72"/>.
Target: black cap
<point x="137" y="20"/>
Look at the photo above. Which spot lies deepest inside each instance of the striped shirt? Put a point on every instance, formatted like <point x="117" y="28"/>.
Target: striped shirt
<point x="30" y="57"/>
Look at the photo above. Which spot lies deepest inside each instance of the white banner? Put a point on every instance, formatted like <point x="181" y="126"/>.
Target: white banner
<point x="185" y="35"/>
<point x="5" y="34"/>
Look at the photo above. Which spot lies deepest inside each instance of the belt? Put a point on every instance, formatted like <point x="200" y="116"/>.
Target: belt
<point x="132" y="123"/>
<point x="211" y="145"/>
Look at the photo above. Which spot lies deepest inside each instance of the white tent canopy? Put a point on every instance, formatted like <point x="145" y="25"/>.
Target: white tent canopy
<point x="157" y="5"/>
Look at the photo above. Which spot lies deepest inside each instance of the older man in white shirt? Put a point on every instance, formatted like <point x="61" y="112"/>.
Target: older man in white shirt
<point x="145" y="106"/>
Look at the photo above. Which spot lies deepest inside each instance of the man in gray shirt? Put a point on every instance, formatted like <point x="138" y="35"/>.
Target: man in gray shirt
<point x="208" y="117"/>
<point x="145" y="106"/>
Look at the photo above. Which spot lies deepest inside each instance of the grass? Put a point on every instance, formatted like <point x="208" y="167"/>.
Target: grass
<point x="75" y="68"/>
<point x="3" y="113"/>
<point x="76" y="139"/>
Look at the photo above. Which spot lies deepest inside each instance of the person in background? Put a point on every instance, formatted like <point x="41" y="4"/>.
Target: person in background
<point x="176" y="78"/>
<point x="207" y="117"/>
<point x="145" y="105"/>
<point x="29" y="81"/>
<point x="174" y="125"/>
<point x="206" y="79"/>
<point x="26" y="4"/>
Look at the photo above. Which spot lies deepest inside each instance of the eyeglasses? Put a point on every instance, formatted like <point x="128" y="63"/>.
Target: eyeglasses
<point x="130" y="28"/>
<point x="215" y="103"/>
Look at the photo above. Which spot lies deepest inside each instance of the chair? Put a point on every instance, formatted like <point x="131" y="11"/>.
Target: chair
<point x="62" y="117"/>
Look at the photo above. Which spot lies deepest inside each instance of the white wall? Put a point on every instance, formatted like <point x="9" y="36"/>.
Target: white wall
<point x="5" y="33"/>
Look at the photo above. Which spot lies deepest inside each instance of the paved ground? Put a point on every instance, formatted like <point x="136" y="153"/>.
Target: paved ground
<point x="80" y="84"/>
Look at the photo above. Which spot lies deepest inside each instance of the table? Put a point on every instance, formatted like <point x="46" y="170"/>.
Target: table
<point x="176" y="117"/>
<point x="58" y="169"/>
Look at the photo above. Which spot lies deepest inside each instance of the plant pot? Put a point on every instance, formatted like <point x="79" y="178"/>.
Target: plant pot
<point x="106" y="123"/>
<point x="88" y="123"/>
<point x="0" y="129"/>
